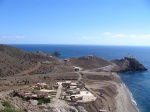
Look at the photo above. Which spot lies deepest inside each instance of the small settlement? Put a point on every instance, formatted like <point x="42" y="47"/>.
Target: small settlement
<point x="67" y="90"/>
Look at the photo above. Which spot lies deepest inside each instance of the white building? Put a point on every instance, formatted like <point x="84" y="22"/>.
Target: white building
<point x="85" y="95"/>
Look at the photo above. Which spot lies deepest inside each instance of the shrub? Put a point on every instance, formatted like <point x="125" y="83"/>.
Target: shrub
<point x="43" y="100"/>
<point x="9" y="110"/>
<point x="5" y="104"/>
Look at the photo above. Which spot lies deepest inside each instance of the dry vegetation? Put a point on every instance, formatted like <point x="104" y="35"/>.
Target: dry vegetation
<point x="19" y="69"/>
<point x="15" y="61"/>
<point x="89" y="62"/>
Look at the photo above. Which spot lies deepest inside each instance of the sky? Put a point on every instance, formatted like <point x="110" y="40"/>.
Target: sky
<point x="84" y="22"/>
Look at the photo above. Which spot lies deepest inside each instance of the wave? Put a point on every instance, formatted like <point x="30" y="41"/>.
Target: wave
<point x="131" y="96"/>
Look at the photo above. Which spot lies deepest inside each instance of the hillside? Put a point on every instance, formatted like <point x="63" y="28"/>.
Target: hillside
<point x="20" y="71"/>
<point x="14" y="61"/>
<point x="89" y="62"/>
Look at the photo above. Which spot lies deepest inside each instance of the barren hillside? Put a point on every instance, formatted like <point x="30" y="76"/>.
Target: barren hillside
<point x="88" y="62"/>
<point x="15" y="61"/>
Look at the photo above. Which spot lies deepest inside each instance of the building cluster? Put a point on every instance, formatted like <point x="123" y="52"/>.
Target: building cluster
<point x="67" y="90"/>
<point x="76" y="92"/>
<point x="38" y="91"/>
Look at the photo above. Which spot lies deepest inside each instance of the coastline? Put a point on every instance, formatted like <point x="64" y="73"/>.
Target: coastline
<point x="120" y="87"/>
<point x="124" y="99"/>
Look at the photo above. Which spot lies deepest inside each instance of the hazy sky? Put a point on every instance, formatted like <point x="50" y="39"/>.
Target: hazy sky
<point x="98" y="22"/>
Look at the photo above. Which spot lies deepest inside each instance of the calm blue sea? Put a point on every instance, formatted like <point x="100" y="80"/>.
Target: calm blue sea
<point x="138" y="83"/>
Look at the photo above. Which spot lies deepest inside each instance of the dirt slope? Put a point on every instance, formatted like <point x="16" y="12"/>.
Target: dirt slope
<point x="15" y="61"/>
<point x="87" y="62"/>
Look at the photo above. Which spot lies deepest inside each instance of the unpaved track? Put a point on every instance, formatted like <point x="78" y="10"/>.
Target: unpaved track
<point x="30" y="69"/>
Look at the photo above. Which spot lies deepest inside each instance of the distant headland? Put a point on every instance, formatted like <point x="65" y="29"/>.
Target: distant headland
<point x="85" y="83"/>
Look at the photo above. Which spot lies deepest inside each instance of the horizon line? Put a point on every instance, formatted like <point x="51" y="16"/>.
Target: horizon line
<point x="82" y="45"/>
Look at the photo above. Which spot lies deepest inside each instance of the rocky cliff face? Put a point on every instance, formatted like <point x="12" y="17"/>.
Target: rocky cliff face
<point x="128" y="64"/>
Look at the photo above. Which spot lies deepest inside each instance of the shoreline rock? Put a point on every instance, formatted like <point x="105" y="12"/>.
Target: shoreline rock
<point x="128" y="64"/>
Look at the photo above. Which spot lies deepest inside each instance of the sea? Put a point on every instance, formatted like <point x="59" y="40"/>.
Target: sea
<point x="138" y="83"/>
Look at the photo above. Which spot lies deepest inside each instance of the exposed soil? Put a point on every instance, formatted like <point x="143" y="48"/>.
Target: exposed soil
<point x="14" y="61"/>
<point x="19" y="69"/>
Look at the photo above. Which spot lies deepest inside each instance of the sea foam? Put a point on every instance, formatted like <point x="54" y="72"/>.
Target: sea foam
<point x="132" y="99"/>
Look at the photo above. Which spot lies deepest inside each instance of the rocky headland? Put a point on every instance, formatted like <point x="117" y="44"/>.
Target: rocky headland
<point x="129" y="64"/>
<point x="20" y="69"/>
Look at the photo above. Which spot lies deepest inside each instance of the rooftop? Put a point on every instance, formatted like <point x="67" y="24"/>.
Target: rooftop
<point x="86" y="93"/>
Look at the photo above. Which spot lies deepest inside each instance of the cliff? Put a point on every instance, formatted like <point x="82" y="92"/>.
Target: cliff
<point x="128" y="64"/>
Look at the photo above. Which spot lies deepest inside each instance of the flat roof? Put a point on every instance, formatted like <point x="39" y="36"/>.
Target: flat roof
<point x="86" y="93"/>
<point x="45" y="90"/>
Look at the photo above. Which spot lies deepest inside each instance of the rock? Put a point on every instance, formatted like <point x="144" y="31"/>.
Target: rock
<point x="56" y="53"/>
<point x="81" y="109"/>
<point x="34" y="102"/>
<point x="128" y="64"/>
<point x="1" y="106"/>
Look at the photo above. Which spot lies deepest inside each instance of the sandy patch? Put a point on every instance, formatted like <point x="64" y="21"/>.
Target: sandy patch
<point x="123" y="100"/>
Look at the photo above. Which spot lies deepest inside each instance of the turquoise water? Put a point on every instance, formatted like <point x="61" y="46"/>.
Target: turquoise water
<point x="137" y="82"/>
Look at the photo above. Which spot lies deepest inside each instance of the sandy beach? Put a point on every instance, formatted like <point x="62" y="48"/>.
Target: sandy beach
<point x="124" y="101"/>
